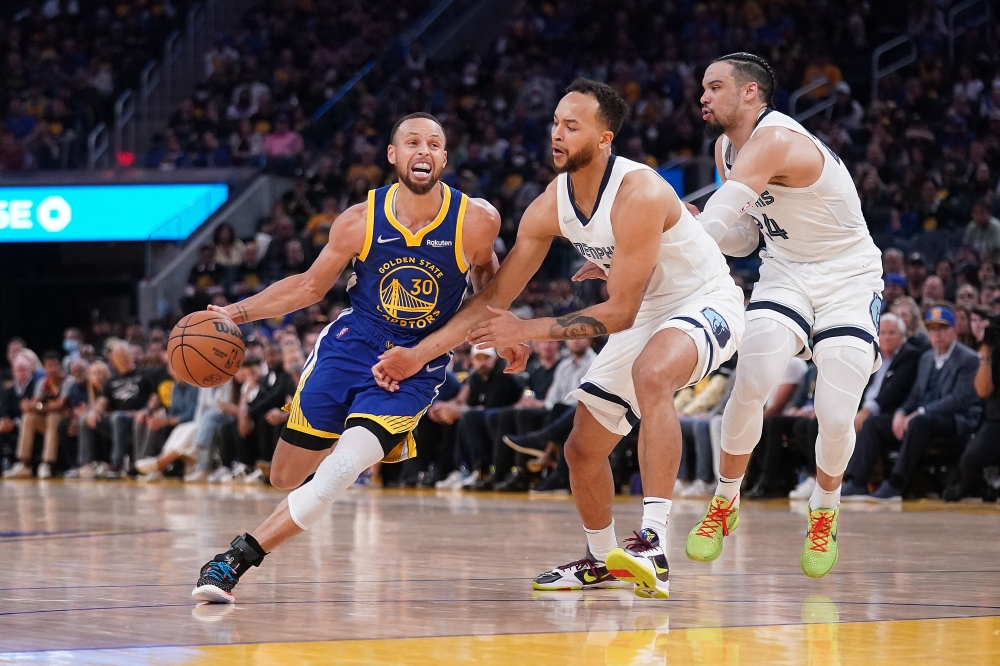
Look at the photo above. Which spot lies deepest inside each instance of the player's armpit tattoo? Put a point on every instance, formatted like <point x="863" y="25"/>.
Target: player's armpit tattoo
<point x="577" y="326"/>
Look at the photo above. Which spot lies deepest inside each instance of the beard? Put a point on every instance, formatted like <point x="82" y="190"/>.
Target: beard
<point x="713" y="130"/>
<point x="417" y="188"/>
<point x="577" y="160"/>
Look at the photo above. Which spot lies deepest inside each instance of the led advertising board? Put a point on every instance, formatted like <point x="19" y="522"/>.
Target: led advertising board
<point x="66" y="213"/>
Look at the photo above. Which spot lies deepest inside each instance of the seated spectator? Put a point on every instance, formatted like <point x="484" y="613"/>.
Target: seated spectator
<point x="907" y="309"/>
<point x="967" y="296"/>
<point x="487" y="388"/>
<point x="932" y="293"/>
<point x="890" y="385"/>
<point x="169" y="432"/>
<point x="916" y="273"/>
<point x="317" y="231"/>
<point x="77" y="403"/>
<point x="983" y="449"/>
<point x="215" y="419"/>
<point x="963" y="328"/>
<point x="895" y="288"/>
<point x="112" y="415"/>
<point x="42" y="412"/>
<point x="366" y="167"/>
<point x="941" y="405"/>
<point x="284" y="147"/>
<point x="210" y="153"/>
<point x="204" y="281"/>
<point x="261" y="417"/>
<point x="246" y="145"/>
<point x="22" y="388"/>
<point x="982" y="233"/>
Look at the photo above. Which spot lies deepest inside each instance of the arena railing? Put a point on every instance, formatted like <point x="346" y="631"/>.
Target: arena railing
<point x="819" y="106"/>
<point x="972" y="14"/>
<point x="137" y="115"/>
<point x="906" y="49"/>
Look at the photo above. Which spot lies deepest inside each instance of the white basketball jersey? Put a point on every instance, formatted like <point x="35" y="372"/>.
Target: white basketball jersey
<point x="807" y="224"/>
<point x="689" y="258"/>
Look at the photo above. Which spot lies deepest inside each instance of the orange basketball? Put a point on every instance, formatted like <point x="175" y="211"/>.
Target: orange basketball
<point x="205" y="349"/>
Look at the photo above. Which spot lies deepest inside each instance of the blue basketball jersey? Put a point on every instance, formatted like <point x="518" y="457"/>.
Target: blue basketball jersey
<point x="408" y="284"/>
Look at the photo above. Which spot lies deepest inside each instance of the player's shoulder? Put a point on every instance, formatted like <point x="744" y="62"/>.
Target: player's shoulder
<point x="773" y="137"/>
<point x="481" y="212"/>
<point x="645" y="185"/>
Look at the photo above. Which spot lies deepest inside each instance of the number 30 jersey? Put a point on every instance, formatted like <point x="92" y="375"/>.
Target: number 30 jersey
<point x="807" y="224"/>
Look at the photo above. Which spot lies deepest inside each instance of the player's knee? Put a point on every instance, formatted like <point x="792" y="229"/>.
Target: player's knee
<point x="284" y="477"/>
<point x="654" y="374"/>
<point x="836" y="423"/>
<point x="577" y="453"/>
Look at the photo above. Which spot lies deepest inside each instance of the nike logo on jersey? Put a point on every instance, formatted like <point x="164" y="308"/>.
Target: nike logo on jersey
<point x="436" y="367"/>
<point x="387" y="240"/>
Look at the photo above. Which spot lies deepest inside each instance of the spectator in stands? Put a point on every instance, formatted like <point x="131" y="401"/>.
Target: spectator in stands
<point x="203" y="280"/>
<point x="246" y="144"/>
<point x="892" y="261"/>
<point x="215" y="418"/>
<point x="967" y="296"/>
<point x="284" y="146"/>
<point x="933" y="291"/>
<point x="13" y="156"/>
<point x="42" y="412"/>
<point x="261" y="417"/>
<point x="982" y="233"/>
<point x="983" y="449"/>
<point x="168" y="432"/>
<point x="488" y="388"/>
<point x="112" y="415"/>
<point x="890" y="385"/>
<point x="210" y="152"/>
<point x="916" y="273"/>
<point x="963" y="327"/>
<point x="366" y="167"/>
<point x="941" y="405"/>
<point x="697" y="469"/>
<point x="11" y="405"/>
<point x="895" y="287"/>
<point x="907" y="309"/>
<point x="77" y="402"/>
<point x="72" y="341"/>
<point x="21" y="125"/>
<point x="317" y="231"/>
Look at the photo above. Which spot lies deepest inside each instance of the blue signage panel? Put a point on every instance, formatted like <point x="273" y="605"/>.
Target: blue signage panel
<point x="676" y="179"/>
<point x="62" y="213"/>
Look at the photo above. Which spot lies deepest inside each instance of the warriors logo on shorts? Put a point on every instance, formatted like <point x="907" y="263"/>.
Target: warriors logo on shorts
<point x="876" y="309"/>
<point x="719" y="326"/>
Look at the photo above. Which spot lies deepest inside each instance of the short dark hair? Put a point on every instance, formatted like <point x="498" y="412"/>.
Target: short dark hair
<point x="419" y="114"/>
<point x="51" y="355"/>
<point x="748" y="67"/>
<point x="612" y="107"/>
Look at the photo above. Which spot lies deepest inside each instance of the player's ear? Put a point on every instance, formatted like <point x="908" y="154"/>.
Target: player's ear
<point x="607" y="136"/>
<point x="391" y="154"/>
<point x="751" y="90"/>
<point x="445" y="159"/>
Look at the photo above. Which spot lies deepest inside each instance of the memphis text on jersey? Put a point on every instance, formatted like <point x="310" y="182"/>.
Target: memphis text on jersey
<point x="408" y="292"/>
<point x="598" y="255"/>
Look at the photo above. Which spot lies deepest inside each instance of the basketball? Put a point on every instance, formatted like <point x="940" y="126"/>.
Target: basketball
<point x="205" y="349"/>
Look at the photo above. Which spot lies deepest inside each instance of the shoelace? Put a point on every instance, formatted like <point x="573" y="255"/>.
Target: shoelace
<point x="585" y="563"/>
<point x="717" y="515"/>
<point x="819" y="532"/>
<point x="221" y="570"/>
<point x="638" y="543"/>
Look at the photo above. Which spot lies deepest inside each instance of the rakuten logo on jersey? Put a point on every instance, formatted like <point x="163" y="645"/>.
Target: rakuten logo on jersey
<point x="52" y="214"/>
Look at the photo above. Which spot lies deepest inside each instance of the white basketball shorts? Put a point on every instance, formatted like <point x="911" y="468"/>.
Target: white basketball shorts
<point x="836" y="301"/>
<point x="713" y="318"/>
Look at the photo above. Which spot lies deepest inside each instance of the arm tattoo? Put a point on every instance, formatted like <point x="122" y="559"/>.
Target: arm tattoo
<point x="242" y="316"/>
<point x="577" y="326"/>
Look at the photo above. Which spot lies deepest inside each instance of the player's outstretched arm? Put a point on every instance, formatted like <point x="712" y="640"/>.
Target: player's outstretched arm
<point x="644" y="209"/>
<point x="539" y="225"/>
<point x="347" y="240"/>
<point x="482" y="224"/>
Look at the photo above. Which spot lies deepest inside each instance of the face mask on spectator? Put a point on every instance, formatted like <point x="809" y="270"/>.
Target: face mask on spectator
<point x="70" y="345"/>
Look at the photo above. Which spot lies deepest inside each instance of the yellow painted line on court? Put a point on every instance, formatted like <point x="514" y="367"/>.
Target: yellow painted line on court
<point x="966" y="641"/>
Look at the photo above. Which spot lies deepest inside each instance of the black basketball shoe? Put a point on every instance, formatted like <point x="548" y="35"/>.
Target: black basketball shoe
<point x="218" y="577"/>
<point x="642" y="561"/>
<point x="585" y="574"/>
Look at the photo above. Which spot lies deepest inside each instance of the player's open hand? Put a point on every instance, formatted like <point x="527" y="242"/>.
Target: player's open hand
<point x="516" y="357"/>
<point x="394" y="366"/>
<point x="224" y="311"/>
<point x="503" y="330"/>
<point x="589" y="271"/>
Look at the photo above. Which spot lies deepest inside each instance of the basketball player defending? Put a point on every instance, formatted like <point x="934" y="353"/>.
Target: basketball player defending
<point x="413" y="247"/>
<point x="673" y="312"/>
<point x="820" y="287"/>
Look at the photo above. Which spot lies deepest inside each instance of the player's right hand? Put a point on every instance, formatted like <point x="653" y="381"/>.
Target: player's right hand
<point x="692" y="208"/>
<point x="224" y="311"/>
<point x="589" y="271"/>
<point x="516" y="357"/>
<point x="394" y="366"/>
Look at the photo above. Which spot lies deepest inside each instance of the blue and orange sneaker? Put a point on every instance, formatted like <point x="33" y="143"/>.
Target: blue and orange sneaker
<point x="219" y="576"/>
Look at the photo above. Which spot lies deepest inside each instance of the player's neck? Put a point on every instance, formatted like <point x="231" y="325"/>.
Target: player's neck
<point x="415" y="211"/>
<point x="740" y="133"/>
<point x="586" y="182"/>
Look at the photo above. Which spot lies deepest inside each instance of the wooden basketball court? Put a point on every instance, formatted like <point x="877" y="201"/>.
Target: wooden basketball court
<point x="102" y="573"/>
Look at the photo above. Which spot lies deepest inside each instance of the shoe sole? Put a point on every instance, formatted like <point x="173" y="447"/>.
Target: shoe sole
<point x="626" y="568"/>
<point x="534" y="453"/>
<point x="825" y="572"/>
<point x="212" y="594"/>
<point x="606" y="585"/>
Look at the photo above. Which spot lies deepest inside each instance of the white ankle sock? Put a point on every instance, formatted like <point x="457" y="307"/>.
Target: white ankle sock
<point x="655" y="514"/>
<point x="602" y="542"/>
<point x="730" y="489"/>
<point x="824" y="499"/>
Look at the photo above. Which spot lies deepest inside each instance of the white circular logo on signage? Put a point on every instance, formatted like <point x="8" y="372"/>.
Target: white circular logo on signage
<point x="54" y="214"/>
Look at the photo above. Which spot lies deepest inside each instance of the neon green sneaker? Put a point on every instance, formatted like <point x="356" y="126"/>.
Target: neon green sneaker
<point x="704" y="542"/>
<point x="819" y="552"/>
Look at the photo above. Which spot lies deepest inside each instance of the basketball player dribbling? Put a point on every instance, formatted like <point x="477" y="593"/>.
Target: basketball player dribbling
<point x="673" y="312"/>
<point x="414" y="247"/>
<point x="820" y="291"/>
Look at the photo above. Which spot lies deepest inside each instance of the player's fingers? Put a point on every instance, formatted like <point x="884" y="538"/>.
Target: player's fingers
<point x="692" y="208"/>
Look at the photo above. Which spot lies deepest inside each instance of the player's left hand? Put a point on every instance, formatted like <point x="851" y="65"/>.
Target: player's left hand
<point x="692" y="208"/>
<point x="589" y="271"/>
<point x="516" y="357"/>
<point x="394" y="366"/>
<point x="503" y="330"/>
